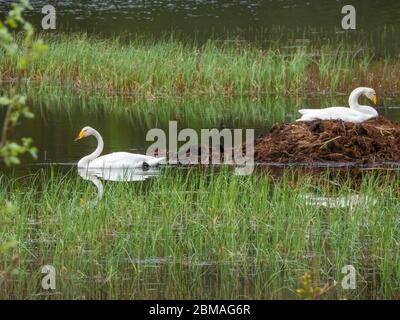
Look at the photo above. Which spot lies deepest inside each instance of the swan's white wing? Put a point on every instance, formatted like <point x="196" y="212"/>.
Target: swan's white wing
<point x="334" y="113"/>
<point x="154" y="161"/>
<point x="123" y="160"/>
<point x="304" y="111"/>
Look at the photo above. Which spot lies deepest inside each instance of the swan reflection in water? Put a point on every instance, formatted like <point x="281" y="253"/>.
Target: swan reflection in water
<point x="116" y="174"/>
<point x="351" y="201"/>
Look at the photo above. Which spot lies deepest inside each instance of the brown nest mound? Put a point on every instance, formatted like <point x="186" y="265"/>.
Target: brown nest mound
<point x="371" y="142"/>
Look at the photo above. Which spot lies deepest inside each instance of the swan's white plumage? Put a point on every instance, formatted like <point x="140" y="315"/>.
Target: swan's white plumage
<point x="121" y="160"/>
<point x="334" y="113"/>
<point x="116" y="160"/>
<point x="356" y="113"/>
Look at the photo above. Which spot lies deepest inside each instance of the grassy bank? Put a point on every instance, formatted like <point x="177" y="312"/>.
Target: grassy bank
<point x="145" y="69"/>
<point x="196" y="235"/>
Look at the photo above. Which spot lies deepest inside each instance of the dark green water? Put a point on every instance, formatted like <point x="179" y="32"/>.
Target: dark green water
<point x="57" y="122"/>
<point x="378" y="21"/>
<point x="214" y="16"/>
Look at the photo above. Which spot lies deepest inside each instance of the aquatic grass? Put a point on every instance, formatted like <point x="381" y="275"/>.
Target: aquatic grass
<point x="168" y="68"/>
<point x="199" y="234"/>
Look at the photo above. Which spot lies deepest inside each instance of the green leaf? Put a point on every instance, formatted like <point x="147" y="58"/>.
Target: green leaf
<point x="5" y="101"/>
<point x="22" y="52"/>
<point x="28" y="115"/>
<point x="14" y="160"/>
<point x="33" y="152"/>
<point x="12" y="23"/>
<point x="22" y="63"/>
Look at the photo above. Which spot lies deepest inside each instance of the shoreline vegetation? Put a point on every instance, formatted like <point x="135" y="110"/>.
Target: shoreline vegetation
<point x="150" y="70"/>
<point x="255" y="239"/>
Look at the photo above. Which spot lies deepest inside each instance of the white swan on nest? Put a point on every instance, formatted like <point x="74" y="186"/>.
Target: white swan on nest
<point x="116" y="160"/>
<point x="356" y="113"/>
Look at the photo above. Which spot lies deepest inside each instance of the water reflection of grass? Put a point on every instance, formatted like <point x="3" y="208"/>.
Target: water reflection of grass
<point x="238" y="112"/>
<point x="150" y="70"/>
<point x="198" y="235"/>
<point x="189" y="112"/>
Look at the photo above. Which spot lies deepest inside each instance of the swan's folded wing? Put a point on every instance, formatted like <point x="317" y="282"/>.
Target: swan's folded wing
<point x="154" y="161"/>
<point x="334" y="113"/>
<point x="124" y="160"/>
<point x="305" y="111"/>
<point x="324" y="110"/>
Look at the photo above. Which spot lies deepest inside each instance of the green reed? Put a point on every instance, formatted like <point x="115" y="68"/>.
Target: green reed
<point x="198" y="234"/>
<point x="168" y="68"/>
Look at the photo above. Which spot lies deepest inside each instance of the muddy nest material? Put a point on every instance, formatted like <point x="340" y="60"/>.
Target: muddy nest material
<point x="371" y="142"/>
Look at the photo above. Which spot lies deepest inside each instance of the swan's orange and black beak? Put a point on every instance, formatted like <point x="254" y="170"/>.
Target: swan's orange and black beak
<point x="80" y="136"/>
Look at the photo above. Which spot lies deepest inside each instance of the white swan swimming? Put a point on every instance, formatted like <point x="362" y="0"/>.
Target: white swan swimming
<point x="356" y="113"/>
<point x="116" y="160"/>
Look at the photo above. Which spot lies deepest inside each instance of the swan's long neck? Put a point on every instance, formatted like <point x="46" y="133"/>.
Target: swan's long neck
<point x="84" y="162"/>
<point x="353" y="103"/>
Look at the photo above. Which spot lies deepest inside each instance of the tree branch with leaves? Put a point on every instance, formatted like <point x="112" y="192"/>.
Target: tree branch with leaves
<point x="18" y="42"/>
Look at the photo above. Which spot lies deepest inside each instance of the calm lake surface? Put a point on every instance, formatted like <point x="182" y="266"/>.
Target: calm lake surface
<point x="378" y="21"/>
<point x="209" y="16"/>
<point x="57" y="123"/>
